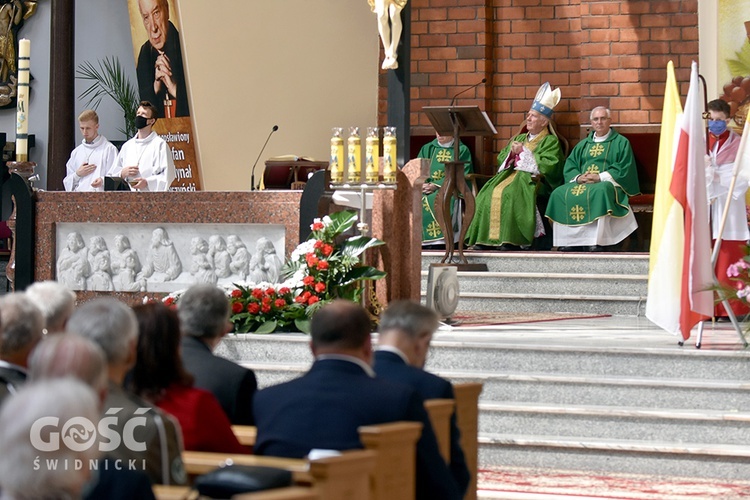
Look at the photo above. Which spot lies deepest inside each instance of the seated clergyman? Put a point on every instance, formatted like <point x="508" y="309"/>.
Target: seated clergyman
<point x="591" y="209"/>
<point x="528" y="167"/>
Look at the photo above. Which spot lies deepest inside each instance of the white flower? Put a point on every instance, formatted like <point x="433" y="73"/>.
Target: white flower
<point x="303" y="249"/>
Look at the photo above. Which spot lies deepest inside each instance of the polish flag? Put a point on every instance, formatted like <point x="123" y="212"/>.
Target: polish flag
<point x="680" y="275"/>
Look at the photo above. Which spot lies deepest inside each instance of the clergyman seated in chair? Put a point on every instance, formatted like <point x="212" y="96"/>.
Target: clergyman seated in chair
<point x="439" y="151"/>
<point x="591" y="211"/>
<point x="530" y="166"/>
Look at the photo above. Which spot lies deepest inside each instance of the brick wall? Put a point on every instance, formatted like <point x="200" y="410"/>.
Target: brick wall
<point x="611" y="53"/>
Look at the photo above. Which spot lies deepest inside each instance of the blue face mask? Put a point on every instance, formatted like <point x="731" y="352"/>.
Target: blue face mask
<point x="717" y="127"/>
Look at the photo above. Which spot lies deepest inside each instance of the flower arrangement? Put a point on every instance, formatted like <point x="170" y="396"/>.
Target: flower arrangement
<point x="325" y="267"/>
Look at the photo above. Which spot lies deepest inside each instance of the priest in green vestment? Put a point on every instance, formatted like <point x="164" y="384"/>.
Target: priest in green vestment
<point x="529" y="166"/>
<point x="591" y="211"/>
<point x="439" y="151"/>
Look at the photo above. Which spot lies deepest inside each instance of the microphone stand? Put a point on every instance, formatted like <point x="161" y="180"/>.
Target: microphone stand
<point x="252" y="174"/>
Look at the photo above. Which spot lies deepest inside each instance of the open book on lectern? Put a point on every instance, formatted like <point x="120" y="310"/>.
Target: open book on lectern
<point x="470" y="120"/>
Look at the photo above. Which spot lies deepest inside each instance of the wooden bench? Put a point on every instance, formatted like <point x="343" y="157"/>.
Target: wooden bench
<point x="440" y="411"/>
<point x="340" y="477"/>
<point x="290" y="493"/>
<point x="170" y="492"/>
<point x="395" y="465"/>
<point x="467" y="419"/>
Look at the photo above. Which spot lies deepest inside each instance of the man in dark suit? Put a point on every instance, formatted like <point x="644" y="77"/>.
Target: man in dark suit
<point x="204" y="319"/>
<point x="22" y="325"/>
<point x="406" y="330"/>
<point x="324" y="408"/>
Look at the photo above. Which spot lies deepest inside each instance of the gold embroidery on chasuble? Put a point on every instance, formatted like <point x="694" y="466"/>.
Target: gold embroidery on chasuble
<point x="577" y="213"/>
<point x="578" y="189"/>
<point x="444" y="155"/>
<point x="497" y="193"/>
<point x="425" y="203"/>
<point x="439" y="175"/>
<point x="592" y="169"/>
<point x="596" y="150"/>
<point x="433" y="229"/>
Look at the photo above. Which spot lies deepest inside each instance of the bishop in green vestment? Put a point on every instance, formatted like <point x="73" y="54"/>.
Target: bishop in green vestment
<point x="439" y="151"/>
<point x="592" y="208"/>
<point x="529" y="166"/>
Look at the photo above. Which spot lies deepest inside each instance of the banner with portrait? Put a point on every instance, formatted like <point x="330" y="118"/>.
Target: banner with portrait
<point x="162" y="81"/>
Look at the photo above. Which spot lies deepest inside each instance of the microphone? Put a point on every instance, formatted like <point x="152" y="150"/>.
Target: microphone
<point x="252" y="175"/>
<point x="484" y="80"/>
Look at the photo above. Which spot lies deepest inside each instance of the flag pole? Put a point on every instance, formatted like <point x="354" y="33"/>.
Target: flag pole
<point x="717" y="245"/>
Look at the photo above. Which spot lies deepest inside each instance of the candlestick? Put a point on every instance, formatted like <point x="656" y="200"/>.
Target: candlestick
<point x="22" y="101"/>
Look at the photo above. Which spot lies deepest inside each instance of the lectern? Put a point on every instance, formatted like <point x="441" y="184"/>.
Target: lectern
<point x="456" y="121"/>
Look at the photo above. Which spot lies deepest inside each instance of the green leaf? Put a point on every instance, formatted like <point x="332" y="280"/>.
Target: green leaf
<point x="362" y="273"/>
<point x="303" y="325"/>
<point x="355" y="245"/>
<point x="110" y="80"/>
<point x="342" y="221"/>
<point x="267" y="327"/>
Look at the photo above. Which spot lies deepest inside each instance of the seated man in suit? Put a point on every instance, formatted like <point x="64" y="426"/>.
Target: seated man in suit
<point x="590" y="210"/>
<point x="406" y="330"/>
<point x="22" y="325"/>
<point x="325" y="407"/>
<point x="204" y="318"/>
<point x="530" y="166"/>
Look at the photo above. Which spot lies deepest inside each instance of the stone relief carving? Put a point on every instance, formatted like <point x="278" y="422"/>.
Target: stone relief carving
<point x="166" y="257"/>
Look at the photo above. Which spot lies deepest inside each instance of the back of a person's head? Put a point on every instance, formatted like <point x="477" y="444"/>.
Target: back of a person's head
<point x="203" y="311"/>
<point x="55" y="301"/>
<point x="158" y="364"/>
<point x="408" y="318"/>
<point x="64" y="399"/>
<point x="342" y="324"/>
<point x="69" y="355"/>
<point x="108" y="323"/>
<point x="22" y="323"/>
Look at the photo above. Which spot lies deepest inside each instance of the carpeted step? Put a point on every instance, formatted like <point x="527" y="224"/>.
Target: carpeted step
<point x="541" y="302"/>
<point x="613" y="422"/>
<point x="616" y="455"/>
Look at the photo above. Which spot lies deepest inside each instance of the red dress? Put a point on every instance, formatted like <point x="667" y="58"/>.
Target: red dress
<point x="205" y="426"/>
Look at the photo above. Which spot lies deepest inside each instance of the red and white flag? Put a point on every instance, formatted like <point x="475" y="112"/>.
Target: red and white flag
<point x="683" y="260"/>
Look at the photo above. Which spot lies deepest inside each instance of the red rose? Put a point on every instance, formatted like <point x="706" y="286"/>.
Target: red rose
<point x="299" y="299"/>
<point x="323" y="265"/>
<point x="306" y="295"/>
<point x="284" y="290"/>
<point x="270" y="291"/>
<point x="279" y="303"/>
<point x="311" y="260"/>
<point x="318" y="244"/>
<point x="253" y="308"/>
<point x="320" y="287"/>
<point x="312" y="300"/>
<point x="326" y="250"/>
<point x="308" y="280"/>
<point x="169" y="301"/>
<point x="317" y="226"/>
<point x="266" y="308"/>
<point x="237" y="307"/>
<point x="257" y="293"/>
<point x="236" y="293"/>
<point x="266" y="301"/>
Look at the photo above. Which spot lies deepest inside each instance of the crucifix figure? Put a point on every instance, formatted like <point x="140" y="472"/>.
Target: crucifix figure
<point x="389" y="27"/>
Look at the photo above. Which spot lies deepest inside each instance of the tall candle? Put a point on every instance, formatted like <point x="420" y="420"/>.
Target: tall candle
<point x="22" y="107"/>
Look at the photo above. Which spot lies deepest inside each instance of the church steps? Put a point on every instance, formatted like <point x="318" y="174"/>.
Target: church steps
<point x="616" y="422"/>
<point x="616" y="455"/>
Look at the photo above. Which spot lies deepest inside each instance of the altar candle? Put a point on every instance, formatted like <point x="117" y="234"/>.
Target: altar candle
<point x="354" y="154"/>
<point x="22" y="101"/>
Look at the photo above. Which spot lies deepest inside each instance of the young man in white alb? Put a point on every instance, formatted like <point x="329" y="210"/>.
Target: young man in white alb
<point x="91" y="160"/>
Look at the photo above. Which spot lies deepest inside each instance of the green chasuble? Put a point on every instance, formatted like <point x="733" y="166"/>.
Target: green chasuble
<point x="574" y="204"/>
<point x="438" y="155"/>
<point x="506" y="205"/>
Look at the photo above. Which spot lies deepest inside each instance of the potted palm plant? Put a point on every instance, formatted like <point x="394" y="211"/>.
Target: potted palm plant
<point x="109" y="79"/>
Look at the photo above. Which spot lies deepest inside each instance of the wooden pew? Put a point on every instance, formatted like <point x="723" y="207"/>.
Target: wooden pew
<point x="467" y="419"/>
<point x="440" y="411"/>
<point x="290" y="493"/>
<point x="169" y="492"/>
<point x="342" y="477"/>
<point x="245" y="434"/>
<point x="395" y="467"/>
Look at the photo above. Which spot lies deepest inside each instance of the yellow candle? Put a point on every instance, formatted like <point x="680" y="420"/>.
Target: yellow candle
<point x="372" y="153"/>
<point x="22" y="102"/>
<point x="336" y="164"/>
<point x="389" y="155"/>
<point x="354" y="156"/>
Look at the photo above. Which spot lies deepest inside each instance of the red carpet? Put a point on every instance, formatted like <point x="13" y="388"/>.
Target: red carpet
<point x="475" y="318"/>
<point x="516" y="482"/>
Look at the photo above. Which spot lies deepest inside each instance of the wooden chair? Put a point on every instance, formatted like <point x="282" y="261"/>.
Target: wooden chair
<point x="440" y="411"/>
<point x="336" y="478"/>
<point x="467" y="419"/>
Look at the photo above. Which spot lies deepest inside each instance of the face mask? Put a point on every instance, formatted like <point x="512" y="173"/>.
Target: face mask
<point x="141" y="122"/>
<point x="717" y="127"/>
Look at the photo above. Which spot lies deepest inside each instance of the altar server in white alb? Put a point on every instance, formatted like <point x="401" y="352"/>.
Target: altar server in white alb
<point x="145" y="161"/>
<point x="92" y="159"/>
